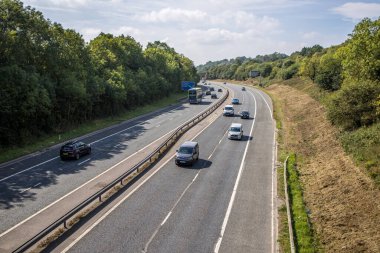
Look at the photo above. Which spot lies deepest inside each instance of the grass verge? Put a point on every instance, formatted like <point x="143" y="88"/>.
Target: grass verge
<point x="303" y="233"/>
<point x="85" y="128"/>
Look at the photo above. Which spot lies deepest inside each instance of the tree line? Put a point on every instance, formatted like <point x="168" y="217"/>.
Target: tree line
<point x="51" y="79"/>
<point x="349" y="72"/>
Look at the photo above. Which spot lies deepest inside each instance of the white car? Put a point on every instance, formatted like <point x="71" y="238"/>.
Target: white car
<point x="235" y="131"/>
<point x="228" y="110"/>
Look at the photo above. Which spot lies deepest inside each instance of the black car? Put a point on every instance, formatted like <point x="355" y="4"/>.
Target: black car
<point x="213" y="95"/>
<point x="244" y="114"/>
<point x="219" y="90"/>
<point x="211" y="88"/>
<point x="74" y="149"/>
<point x="243" y="88"/>
<point x="208" y="92"/>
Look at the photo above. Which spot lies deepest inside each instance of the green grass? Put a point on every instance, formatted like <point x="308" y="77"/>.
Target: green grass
<point x="364" y="145"/>
<point x="303" y="233"/>
<point x="88" y="127"/>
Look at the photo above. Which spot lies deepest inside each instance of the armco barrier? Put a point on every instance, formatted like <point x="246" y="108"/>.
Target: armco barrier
<point x="141" y="166"/>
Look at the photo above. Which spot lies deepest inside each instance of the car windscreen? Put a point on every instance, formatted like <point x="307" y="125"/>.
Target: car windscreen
<point x="235" y="129"/>
<point x="185" y="150"/>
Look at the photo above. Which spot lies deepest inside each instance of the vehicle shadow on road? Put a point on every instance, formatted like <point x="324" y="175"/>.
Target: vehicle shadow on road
<point x="198" y="165"/>
<point x="27" y="186"/>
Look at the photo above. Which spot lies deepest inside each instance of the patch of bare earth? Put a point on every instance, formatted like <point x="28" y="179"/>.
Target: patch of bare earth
<point x="344" y="204"/>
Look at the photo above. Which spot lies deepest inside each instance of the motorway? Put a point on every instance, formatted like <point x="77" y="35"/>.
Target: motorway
<point x="223" y="203"/>
<point x="29" y="185"/>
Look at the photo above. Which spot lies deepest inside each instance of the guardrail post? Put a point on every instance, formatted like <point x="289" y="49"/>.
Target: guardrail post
<point x="64" y="224"/>
<point x="100" y="198"/>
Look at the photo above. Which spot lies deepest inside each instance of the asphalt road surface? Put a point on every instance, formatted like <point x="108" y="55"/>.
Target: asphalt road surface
<point x="223" y="203"/>
<point x="30" y="184"/>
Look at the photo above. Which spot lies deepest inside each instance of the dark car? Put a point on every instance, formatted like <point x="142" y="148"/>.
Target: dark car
<point x="188" y="153"/>
<point x="74" y="149"/>
<point x="208" y="92"/>
<point x="219" y="90"/>
<point x="243" y="88"/>
<point x="212" y="89"/>
<point x="213" y="95"/>
<point x="244" y="114"/>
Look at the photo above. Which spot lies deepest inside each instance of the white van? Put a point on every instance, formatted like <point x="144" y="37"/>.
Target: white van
<point x="228" y="110"/>
<point x="235" y="131"/>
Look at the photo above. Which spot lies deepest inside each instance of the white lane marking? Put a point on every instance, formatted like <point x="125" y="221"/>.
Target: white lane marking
<point x="127" y="196"/>
<point x="274" y="193"/>
<point x="84" y="161"/>
<point x="3" y="179"/>
<point x="212" y="153"/>
<point x="232" y="199"/>
<point x="270" y="110"/>
<point x="43" y="209"/>
<point x="166" y="218"/>
<point x="30" y="188"/>
<point x="158" y="125"/>
<point x="26" y="190"/>
<point x="170" y="212"/>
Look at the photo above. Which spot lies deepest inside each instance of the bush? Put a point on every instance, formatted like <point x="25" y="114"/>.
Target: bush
<point x="354" y="105"/>
<point x="289" y="72"/>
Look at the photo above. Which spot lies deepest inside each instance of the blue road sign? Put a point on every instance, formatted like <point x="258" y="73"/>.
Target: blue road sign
<point x="187" y="85"/>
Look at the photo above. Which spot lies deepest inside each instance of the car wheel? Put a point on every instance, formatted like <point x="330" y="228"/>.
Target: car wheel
<point x="62" y="158"/>
<point x="77" y="156"/>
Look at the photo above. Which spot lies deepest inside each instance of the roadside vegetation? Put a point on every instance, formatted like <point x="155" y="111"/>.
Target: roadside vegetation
<point x="52" y="81"/>
<point x="345" y="78"/>
<point x="49" y="140"/>
<point x="303" y="234"/>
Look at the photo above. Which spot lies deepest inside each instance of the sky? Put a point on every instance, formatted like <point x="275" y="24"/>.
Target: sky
<point x="212" y="30"/>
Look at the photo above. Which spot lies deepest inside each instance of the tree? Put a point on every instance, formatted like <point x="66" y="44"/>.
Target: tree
<point x="354" y="105"/>
<point x="361" y="53"/>
<point x="328" y="74"/>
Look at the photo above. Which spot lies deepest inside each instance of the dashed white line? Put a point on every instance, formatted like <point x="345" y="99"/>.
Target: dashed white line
<point x="232" y="199"/>
<point x="84" y="161"/>
<point x="53" y="203"/>
<point x="3" y="179"/>
<point x="127" y="196"/>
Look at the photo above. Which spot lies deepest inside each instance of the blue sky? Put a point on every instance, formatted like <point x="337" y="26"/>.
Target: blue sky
<point x="211" y="30"/>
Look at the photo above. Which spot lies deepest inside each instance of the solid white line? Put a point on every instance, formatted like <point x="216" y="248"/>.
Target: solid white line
<point x="274" y="207"/>
<point x="270" y="110"/>
<point x="232" y="199"/>
<point x="43" y="209"/>
<point x="3" y="179"/>
<point x="36" y="185"/>
<point x="127" y="196"/>
<point x="84" y="161"/>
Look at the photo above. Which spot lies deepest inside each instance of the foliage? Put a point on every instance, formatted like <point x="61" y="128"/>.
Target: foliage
<point x="364" y="145"/>
<point x="353" y="106"/>
<point x="51" y="80"/>
<point x="328" y="72"/>
<point x="303" y="233"/>
<point x="361" y="54"/>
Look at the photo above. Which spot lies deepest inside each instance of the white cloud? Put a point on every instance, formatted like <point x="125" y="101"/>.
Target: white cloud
<point x="173" y="15"/>
<point x="212" y="36"/>
<point x="358" y="10"/>
<point x="90" y="33"/>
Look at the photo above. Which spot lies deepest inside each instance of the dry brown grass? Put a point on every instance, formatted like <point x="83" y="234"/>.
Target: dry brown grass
<point x="344" y="203"/>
